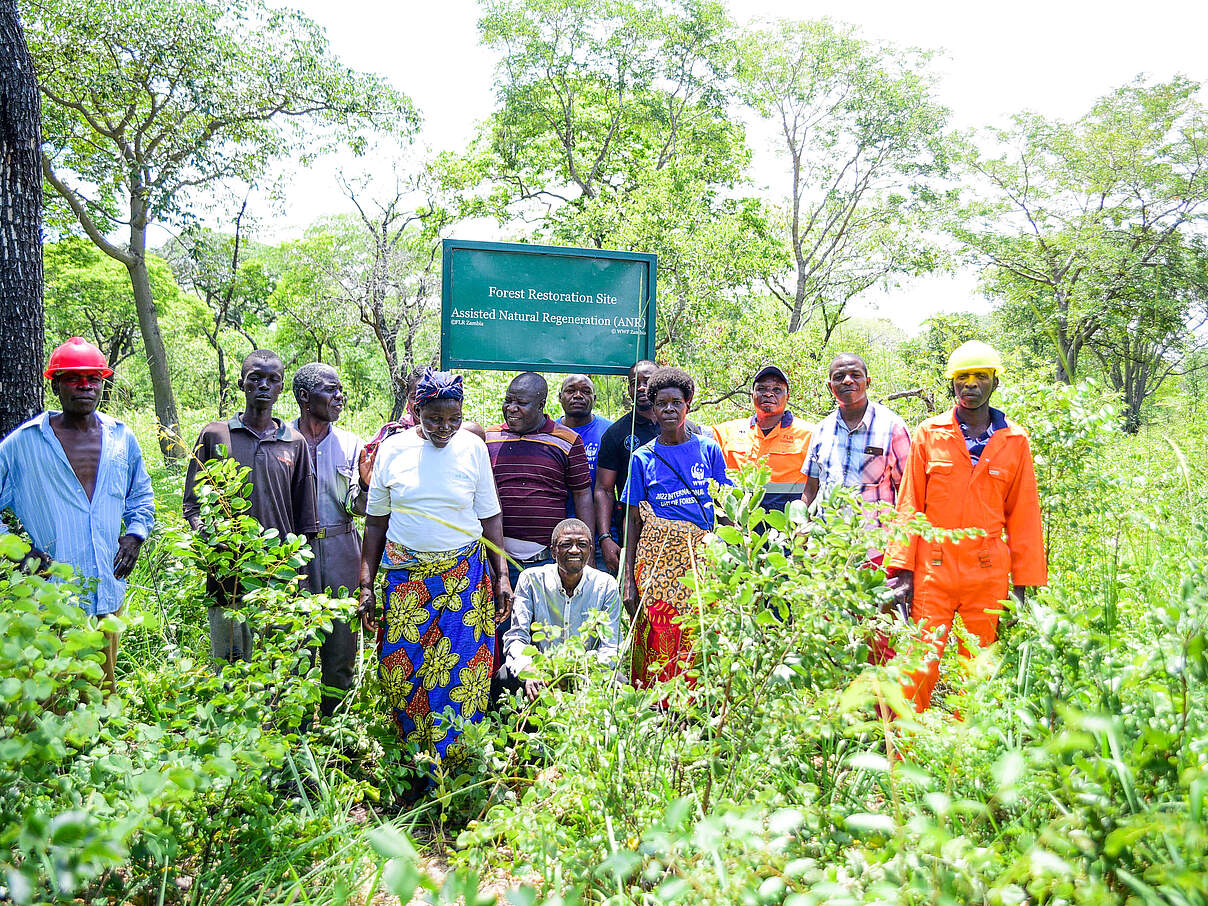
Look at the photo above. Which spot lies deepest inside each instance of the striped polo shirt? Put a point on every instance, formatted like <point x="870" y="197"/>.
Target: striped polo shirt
<point x="535" y="475"/>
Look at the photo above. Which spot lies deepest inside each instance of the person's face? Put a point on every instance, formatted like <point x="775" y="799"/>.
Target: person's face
<point x="670" y="408"/>
<point x="411" y="403"/>
<point x="577" y="396"/>
<point x="78" y="391"/>
<point x="440" y="420"/>
<point x="573" y="550"/>
<point x="326" y="401"/>
<point x="637" y="387"/>
<point x="770" y="396"/>
<point x="523" y="409"/>
<point x="974" y="388"/>
<point x="848" y="382"/>
<point x="261" y="384"/>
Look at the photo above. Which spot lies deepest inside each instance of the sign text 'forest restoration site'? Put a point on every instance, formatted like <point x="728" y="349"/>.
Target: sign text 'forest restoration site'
<point x="510" y="306"/>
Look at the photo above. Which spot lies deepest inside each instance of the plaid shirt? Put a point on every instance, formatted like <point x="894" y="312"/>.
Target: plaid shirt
<point x="871" y="457"/>
<point x="977" y="445"/>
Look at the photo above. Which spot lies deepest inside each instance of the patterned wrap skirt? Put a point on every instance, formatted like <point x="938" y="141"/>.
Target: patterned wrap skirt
<point x="662" y="637"/>
<point x="436" y="644"/>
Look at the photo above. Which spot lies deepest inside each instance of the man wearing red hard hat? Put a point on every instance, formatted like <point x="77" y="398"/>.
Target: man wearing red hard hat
<point x="75" y="480"/>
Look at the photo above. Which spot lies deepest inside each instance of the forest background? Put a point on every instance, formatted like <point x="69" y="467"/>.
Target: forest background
<point x="1078" y="772"/>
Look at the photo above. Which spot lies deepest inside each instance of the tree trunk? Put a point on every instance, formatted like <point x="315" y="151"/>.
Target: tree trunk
<point x="796" y="319"/>
<point x="170" y="443"/>
<point x="20" y="227"/>
<point x="224" y="385"/>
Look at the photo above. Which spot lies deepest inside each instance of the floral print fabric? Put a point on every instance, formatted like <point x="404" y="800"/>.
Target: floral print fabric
<point x="662" y="638"/>
<point x="436" y="646"/>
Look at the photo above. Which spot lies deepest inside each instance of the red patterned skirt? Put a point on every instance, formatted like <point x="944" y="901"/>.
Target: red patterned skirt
<point x="662" y="639"/>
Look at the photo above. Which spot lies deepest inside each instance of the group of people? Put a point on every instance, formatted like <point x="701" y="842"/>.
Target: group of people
<point x="476" y="535"/>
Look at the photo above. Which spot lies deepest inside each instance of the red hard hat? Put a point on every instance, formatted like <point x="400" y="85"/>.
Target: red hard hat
<point x="77" y="354"/>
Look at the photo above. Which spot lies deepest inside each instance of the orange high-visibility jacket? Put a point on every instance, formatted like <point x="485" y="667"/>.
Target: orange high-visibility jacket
<point x="999" y="495"/>
<point x="785" y="446"/>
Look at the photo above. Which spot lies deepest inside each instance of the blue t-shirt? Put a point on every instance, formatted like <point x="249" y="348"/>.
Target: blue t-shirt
<point x="653" y="477"/>
<point x="590" y="435"/>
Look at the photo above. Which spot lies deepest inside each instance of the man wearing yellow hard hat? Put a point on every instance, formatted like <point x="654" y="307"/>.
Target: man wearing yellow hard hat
<point x="968" y="468"/>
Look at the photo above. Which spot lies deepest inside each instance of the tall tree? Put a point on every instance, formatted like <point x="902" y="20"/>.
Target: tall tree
<point x="20" y="227"/>
<point x="382" y="265"/>
<point x="1158" y="326"/>
<point x="864" y="141"/>
<point x="613" y="130"/>
<point x="150" y="100"/>
<point x="88" y="295"/>
<point x="1069" y="219"/>
<point x="231" y="279"/>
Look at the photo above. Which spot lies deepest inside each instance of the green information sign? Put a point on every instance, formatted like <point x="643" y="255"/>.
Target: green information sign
<point x="509" y="306"/>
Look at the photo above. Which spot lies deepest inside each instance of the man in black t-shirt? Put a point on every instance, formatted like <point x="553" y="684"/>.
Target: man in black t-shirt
<point x="630" y="431"/>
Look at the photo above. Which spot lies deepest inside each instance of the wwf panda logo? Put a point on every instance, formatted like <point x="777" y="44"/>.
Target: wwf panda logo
<point x="698" y="471"/>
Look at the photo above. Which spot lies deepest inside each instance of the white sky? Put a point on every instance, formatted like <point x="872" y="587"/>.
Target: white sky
<point x="1051" y="56"/>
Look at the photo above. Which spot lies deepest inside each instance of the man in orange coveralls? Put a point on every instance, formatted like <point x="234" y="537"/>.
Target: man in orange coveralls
<point x="968" y="468"/>
<point x="772" y="433"/>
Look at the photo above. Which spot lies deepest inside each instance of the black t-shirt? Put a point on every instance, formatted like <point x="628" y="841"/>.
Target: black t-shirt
<point x="616" y="446"/>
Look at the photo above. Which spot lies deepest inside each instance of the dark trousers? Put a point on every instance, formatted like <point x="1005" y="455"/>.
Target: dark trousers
<point x="337" y="661"/>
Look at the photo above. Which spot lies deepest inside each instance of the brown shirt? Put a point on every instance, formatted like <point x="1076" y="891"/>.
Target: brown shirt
<point x="282" y="477"/>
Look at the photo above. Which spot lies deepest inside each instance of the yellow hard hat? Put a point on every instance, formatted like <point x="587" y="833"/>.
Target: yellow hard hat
<point x="973" y="356"/>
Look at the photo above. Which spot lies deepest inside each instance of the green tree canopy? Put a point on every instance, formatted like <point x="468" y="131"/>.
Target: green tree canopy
<point x="88" y="295"/>
<point x="1073" y="220"/>
<point x="148" y="101"/>
<point x="864" y="141"/>
<point x="614" y="130"/>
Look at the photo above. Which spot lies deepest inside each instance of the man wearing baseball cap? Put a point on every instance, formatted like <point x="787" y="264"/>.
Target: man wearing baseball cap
<point x="968" y="468"/>
<point x="772" y="433"/>
<point x="75" y="480"/>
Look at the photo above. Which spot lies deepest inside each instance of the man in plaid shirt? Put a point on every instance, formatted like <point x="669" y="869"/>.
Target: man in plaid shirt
<point x="861" y="444"/>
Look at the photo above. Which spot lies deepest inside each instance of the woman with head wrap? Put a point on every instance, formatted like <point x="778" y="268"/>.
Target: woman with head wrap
<point x="431" y="502"/>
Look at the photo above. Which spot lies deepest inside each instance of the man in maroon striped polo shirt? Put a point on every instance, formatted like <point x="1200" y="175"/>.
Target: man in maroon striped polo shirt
<point x="539" y="465"/>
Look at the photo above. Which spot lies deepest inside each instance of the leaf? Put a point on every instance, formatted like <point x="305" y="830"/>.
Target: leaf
<point x="869" y="823"/>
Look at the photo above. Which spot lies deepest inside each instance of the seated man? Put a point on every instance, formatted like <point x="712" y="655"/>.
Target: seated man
<point x="560" y="596"/>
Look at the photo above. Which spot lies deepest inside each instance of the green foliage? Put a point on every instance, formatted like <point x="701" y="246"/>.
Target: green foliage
<point x="1075" y="775"/>
<point x="865" y="148"/>
<point x="87" y="294"/>
<point x="158" y="95"/>
<point x="1091" y="227"/>
<point x="1069" y="427"/>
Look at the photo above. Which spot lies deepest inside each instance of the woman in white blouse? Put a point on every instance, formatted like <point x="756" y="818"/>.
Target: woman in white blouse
<point x="432" y="502"/>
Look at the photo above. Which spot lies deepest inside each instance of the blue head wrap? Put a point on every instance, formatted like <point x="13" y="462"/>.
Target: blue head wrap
<point x="438" y="385"/>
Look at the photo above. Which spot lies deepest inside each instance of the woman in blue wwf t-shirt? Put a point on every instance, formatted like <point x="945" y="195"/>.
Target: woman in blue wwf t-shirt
<point x="670" y="510"/>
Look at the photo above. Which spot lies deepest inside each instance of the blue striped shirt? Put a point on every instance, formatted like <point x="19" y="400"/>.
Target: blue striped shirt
<point x="39" y="486"/>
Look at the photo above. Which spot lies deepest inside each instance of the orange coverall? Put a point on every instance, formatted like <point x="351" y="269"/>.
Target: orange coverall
<point x="973" y="575"/>
<point x="785" y="446"/>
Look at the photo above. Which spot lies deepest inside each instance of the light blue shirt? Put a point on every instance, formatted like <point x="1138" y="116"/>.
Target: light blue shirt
<point x="39" y="486"/>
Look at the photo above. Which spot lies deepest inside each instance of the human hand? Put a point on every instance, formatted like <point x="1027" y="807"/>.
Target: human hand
<point x="611" y="552"/>
<point x="365" y="464"/>
<point x="533" y="688"/>
<point x="903" y="595"/>
<point x="630" y="596"/>
<point x="42" y="560"/>
<point x="128" y="547"/>
<point x="503" y="597"/>
<point x="367" y="610"/>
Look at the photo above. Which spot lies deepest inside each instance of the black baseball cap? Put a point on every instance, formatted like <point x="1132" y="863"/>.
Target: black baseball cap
<point x="769" y="371"/>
